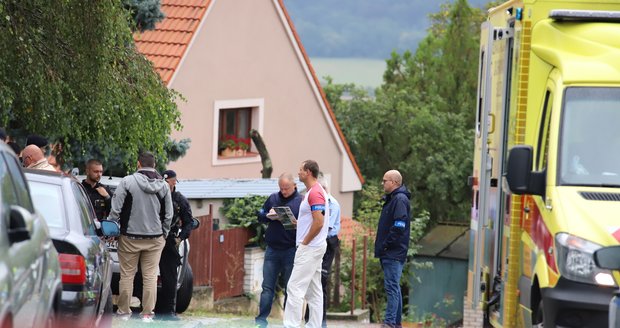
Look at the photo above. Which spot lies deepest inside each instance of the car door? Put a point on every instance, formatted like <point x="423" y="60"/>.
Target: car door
<point x="24" y="256"/>
<point x="97" y="259"/>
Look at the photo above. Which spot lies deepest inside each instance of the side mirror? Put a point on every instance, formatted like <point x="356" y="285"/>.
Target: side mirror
<point x="519" y="175"/>
<point x="18" y="230"/>
<point x="110" y="228"/>
<point x="195" y="223"/>
<point x="608" y="258"/>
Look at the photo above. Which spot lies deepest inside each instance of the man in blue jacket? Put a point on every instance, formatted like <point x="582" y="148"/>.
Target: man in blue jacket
<point x="392" y="243"/>
<point x="280" y="252"/>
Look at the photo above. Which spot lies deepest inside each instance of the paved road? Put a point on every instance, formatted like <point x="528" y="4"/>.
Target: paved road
<point x="225" y="322"/>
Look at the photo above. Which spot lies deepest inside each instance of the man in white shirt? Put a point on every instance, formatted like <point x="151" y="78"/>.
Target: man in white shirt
<point x="305" y="280"/>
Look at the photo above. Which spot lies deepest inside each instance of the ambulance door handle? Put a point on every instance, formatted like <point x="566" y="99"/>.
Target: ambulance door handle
<point x="491" y="123"/>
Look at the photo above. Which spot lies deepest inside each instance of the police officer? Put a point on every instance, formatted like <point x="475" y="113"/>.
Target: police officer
<point x="180" y="229"/>
<point x="99" y="194"/>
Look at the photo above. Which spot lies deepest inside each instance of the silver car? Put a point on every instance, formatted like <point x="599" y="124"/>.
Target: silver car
<point x="30" y="278"/>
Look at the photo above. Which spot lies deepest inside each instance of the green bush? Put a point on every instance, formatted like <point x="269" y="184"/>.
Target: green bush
<point x="243" y="212"/>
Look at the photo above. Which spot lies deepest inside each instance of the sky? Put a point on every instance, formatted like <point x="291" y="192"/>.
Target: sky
<point x="362" y="28"/>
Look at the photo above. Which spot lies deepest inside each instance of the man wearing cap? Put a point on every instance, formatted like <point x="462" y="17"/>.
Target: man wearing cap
<point x="170" y="258"/>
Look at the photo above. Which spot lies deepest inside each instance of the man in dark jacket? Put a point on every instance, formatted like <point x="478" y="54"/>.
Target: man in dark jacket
<point x="180" y="229"/>
<point x="143" y="205"/>
<point x="99" y="194"/>
<point x="392" y="243"/>
<point x="280" y="252"/>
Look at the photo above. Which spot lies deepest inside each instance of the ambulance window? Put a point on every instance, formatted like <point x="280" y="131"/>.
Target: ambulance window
<point x="543" y="135"/>
<point x="480" y="92"/>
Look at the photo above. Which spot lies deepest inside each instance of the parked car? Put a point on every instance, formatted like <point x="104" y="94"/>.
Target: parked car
<point x="185" y="278"/>
<point x="30" y="278"/>
<point x="78" y="236"/>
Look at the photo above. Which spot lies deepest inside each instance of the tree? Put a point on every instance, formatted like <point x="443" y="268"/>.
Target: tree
<point x="145" y="13"/>
<point x="421" y="119"/>
<point x="70" y="71"/>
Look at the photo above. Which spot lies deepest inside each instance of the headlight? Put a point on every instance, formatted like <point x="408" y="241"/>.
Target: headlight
<point x="576" y="263"/>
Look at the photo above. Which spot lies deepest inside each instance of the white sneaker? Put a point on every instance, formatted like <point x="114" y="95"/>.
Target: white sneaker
<point x="147" y="317"/>
<point x="123" y="316"/>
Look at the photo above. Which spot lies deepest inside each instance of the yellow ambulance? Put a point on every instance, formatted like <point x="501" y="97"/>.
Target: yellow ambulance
<point x="546" y="176"/>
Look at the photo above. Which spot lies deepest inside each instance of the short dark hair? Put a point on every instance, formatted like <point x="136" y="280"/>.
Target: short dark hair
<point x="312" y="166"/>
<point x="147" y="159"/>
<point x="93" y="161"/>
<point x="16" y="148"/>
<point x="3" y="134"/>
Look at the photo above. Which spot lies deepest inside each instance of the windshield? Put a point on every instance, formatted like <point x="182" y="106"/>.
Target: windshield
<point x="590" y="137"/>
<point x="47" y="200"/>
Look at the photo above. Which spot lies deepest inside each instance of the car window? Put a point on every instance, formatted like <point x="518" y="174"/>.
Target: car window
<point x="19" y="182"/>
<point x="86" y="210"/>
<point x="9" y="197"/>
<point x="48" y="201"/>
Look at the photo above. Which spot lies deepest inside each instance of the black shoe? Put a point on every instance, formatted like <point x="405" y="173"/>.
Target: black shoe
<point x="168" y="316"/>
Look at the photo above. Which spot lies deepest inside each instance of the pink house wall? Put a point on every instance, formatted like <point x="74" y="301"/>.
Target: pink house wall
<point x="243" y="52"/>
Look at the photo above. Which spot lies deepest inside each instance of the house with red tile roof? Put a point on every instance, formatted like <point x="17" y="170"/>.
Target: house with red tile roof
<point x="240" y="65"/>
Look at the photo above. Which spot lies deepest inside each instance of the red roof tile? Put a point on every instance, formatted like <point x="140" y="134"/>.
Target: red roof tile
<point x="166" y="45"/>
<point x="350" y="229"/>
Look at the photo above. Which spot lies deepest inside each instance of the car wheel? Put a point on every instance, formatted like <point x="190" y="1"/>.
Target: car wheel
<point x="184" y="294"/>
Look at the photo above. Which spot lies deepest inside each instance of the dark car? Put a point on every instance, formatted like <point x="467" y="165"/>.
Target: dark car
<point x="185" y="278"/>
<point x="84" y="258"/>
<point x="30" y="284"/>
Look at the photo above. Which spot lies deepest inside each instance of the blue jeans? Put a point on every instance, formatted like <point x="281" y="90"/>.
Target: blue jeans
<point x="392" y="270"/>
<point x="276" y="262"/>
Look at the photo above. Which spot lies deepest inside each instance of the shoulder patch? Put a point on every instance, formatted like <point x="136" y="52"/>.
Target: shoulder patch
<point x="319" y="207"/>
<point x="400" y="224"/>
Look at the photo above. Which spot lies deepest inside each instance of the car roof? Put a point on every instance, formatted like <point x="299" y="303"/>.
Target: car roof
<point x="105" y="180"/>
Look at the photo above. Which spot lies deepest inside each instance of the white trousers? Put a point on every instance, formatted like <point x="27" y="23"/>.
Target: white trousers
<point x="305" y="282"/>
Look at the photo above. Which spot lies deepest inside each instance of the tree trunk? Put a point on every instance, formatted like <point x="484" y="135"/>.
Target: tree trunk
<point x="264" y="154"/>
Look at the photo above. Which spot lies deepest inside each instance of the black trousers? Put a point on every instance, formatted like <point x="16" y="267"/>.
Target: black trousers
<point x="333" y="244"/>
<point x="168" y="264"/>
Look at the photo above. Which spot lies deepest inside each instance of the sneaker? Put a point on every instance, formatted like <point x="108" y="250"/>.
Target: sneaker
<point x="168" y="317"/>
<point x="123" y="316"/>
<point x="148" y="317"/>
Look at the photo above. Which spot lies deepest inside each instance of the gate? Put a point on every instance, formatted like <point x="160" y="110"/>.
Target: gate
<point x="217" y="257"/>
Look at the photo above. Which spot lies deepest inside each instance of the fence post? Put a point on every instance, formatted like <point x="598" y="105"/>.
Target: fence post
<point x="210" y="241"/>
<point x="336" y="299"/>
<point x="364" y="272"/>
<point x="353" y="276"/>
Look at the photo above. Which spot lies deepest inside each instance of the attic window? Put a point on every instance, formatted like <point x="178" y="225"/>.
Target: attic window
<point x="233" y="120"/>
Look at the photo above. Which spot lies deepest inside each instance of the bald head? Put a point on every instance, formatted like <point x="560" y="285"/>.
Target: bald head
<point x="286" y="183"/>
<point x="31" y="154"/>
<point x="392" y="180"/>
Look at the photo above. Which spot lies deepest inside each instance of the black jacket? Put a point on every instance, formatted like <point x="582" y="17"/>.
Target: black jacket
<point x="182" y="217"/>
<point x="393" y="232"/>
<point x="276" y="236"/>
<point x="101" y="205"/>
